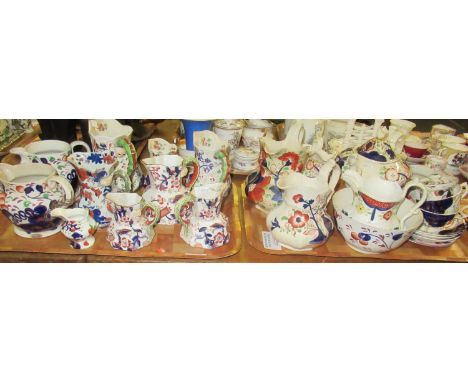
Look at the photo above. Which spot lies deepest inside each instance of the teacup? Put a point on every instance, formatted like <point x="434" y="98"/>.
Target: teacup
<point x="449" y="138"/>
<point x="403" y="125"/>
<point x="448" y="203"/>
<point x="230" y="131"/>
<point x="455" y="153"/>
<point x="436" y="220"/>
<point x="442" y="129"/>
<point x="436" y="162"/>
<point x="416" y="148"/>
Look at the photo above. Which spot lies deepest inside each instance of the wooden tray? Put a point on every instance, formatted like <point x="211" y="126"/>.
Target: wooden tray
<point x="166" y="244"/>
<point x="255" y="225"/>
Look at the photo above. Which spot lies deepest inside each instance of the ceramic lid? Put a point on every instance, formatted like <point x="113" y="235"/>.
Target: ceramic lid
<point x="378" y="150"/>
<point x="259" y="124"/>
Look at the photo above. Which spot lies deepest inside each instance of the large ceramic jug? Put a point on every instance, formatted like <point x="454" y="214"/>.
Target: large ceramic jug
<point x="203" y="223"/>
<point x="301" y="221"/>
<point x="97" y="171"/>
<point x="213" y="161"/>
<point x="109" y="134"/>
<point x="376" y="201"/>
<point x="276" y="158"/>
<point x="28" y="193"/>
<point x="51" y="152"/>
<point x="132" y="226"/>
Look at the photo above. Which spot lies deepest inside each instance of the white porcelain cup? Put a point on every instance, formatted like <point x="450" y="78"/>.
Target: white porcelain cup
<point x="436" y="162"/>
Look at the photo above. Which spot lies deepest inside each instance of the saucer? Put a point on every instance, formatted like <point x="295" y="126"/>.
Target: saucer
<point x="415" y="160"/>
<point x="457" y="221"/>
<point x="435" y="245"/>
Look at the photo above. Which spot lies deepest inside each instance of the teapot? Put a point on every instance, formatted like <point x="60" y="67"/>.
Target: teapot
<point x="376" y="201"/>
<point x="377" y="158"/>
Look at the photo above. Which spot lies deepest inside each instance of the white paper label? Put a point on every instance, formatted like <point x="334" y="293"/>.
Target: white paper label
<point x="269" y="241"/>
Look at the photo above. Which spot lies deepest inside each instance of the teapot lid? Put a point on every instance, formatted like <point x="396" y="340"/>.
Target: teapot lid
<point x="377" y="149"/>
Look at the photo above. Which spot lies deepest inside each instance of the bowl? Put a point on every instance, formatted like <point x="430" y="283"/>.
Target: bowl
<point x="366" y="238"/>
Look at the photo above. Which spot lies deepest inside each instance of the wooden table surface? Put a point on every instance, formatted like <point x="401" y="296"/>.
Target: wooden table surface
<point x="247" y="254"/>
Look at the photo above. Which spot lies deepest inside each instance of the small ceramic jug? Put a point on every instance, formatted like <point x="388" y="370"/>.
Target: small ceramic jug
<point x="212" y="158"/>
<point x="171" y="173"/>
<point x="203" y="223"/>
<point x="159" y="146"/>
<point x="78" y="226"/>
<point x="28" y="194"/>
<point x="97" y="172"/>
<point x="132" y="226"/>
<point x="376" y="201"/>
<point x="51" y="152"/>
<point x="301" y="221"/>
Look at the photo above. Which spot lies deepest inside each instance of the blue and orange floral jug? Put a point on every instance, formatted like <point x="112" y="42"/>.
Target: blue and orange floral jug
<point x="276" y="158"/>
<point x="301" y="222"/>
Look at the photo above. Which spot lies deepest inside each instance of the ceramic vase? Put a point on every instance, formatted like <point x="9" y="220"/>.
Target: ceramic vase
<point x="28" y="194"/>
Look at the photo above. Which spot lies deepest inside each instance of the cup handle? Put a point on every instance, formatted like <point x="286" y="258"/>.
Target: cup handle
<point x="187" y="199"/>
<point x="151" y="212"/>
<point x="66" y="186"/>
<point x="191" y="162"/>
<point x="222" y="156"/>
<point x="132" y="160"/>
<point x="79" y="144"/>
<point x="416" y="207"/>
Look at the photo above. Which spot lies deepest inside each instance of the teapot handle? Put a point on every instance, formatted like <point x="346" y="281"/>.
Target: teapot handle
<point x="151" y="212"/>
<point x="222" y="156"/>
<point x="187" y="199"/>
<point x="190" y="180"/>
<point x="131" y="153"/>
<point x="66" y="186"/>
<point x="22" y="153"/>
<point x="416" y="207"/>
<point x="79" y="144"/>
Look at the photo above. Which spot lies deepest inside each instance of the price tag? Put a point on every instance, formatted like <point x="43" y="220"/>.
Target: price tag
<point x="269" y="241"/>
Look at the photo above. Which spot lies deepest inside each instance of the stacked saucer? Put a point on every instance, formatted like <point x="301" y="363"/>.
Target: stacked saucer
<point x="441" y="237"/>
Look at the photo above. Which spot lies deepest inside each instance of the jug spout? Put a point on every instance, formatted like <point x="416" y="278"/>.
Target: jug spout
<point x="59" y="213"/>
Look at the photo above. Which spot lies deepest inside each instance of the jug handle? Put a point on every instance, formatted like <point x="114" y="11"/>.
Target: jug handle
<point x="222" y="156"/>
<point x="416" y="207"/>
<point x="132" y="160"/>
<point x="66" y="186"/>
<point x="151" y="212"/>
<point x="22" y="153"/>
<point x="79" y="144"/>
<point x="296" y="133"/>
<point x="463" y="189"/>
<point x="122" y="175"/>
<point x="187" y="199"/>
<point x="191" y="162"/>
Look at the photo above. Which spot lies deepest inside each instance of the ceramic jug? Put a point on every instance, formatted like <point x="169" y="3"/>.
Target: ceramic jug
<point x="28" y="194"/>
<point x="276" y="158"/>
<point x="159" y="146"/>
<point x="97" y="172"/>
<point x="301" y="221"/>
<point x="213" y="161"/>
<point x="376" y="201"/>
<point x="203" y="223"/>
<point x="377" y="158"/>
<point x="170" y="178"/>
<point x="78" y="226"/>
<point x="132" y="225"/>
<point x="109" y="134"/>
<point x="51" y="152"/>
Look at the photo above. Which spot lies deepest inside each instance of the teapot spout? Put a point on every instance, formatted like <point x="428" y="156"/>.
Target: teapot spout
<point x="353" y="179"/>
<point x="59" y="213"/>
